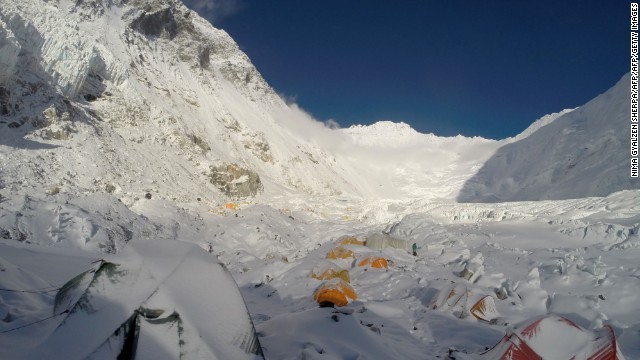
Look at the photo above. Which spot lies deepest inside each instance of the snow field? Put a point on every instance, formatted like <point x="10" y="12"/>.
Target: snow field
<point x="577" y="258"/>
<point x="529" y="257"/>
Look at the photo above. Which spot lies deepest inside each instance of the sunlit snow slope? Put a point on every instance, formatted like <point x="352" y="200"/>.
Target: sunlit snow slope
<point x="146" y="96"/>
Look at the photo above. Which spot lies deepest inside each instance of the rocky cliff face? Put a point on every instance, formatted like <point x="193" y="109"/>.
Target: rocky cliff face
<point x="142" y="96"/>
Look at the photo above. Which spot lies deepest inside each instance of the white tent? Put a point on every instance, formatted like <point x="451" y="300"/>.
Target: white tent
<point x="157" y="301"/>
<point x="382" y="241"/>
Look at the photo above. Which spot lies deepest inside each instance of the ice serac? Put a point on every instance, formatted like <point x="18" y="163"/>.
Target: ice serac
<point x="9" y="49"/>
<point x="582" y="153"/>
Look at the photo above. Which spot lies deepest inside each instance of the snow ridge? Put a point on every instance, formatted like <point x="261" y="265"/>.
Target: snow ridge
<point x="536" y="125"/>
<point x="583" y="152"/>
<point x="397" y="134"/>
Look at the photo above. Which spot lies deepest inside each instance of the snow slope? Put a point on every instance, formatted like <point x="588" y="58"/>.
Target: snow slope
<point x="582" y="153"/>
<point x="408" y="164"/>
<point x="104" y="92"/>
<point x="545" y="120"/>
<point x="145" y="96"/>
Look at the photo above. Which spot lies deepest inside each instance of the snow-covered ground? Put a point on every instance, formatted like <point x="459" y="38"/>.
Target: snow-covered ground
<point x="576" y="258"/>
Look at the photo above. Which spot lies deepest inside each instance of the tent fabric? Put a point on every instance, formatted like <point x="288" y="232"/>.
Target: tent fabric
<point x="374" y="262"/>
<point x="326" y="270"/>
<point x="71" y="292"/>
<point x="336" y="292"/>
<point x="462" y="301"/>
<point x="340" y="252"/>
<point x="552" y="336"/>
<point x="383" y="241"/>
<point x="453" y="297"/>
<point x="113" y="300"/>
<point x="485" y="309"/>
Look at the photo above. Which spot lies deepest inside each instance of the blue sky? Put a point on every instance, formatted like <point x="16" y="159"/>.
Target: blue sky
<point x="477" y="68"/>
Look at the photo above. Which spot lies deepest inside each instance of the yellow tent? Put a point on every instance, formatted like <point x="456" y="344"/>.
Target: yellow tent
<point x="374" y="262"/>
<point x="326" y="270"/>
<point x="349" y="240"/>
<point x="334" y="292"/>
<point x="339" y="252"/>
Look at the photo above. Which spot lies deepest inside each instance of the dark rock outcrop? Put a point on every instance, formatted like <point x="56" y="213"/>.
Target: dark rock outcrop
<point x="235" y="181"/>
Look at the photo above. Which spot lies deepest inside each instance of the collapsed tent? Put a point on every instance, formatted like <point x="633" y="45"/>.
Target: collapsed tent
<point x="374" y="262"/>
<point x="552" y="336"/>
<point x="335" y="292"/>
<point x="382" y="241"/>
<point x="461" y="301"/>
<point x="326" y="270"/>
<point x="159" y="300"/>
<point x="339" y="252"/>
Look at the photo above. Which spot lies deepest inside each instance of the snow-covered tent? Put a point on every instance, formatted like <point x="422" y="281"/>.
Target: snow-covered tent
<point x="374" y="262"/>
<point x="325" y="270"/>
<point x="334" y="292"/>
<point x="157" y="301"/>
<point x="382" y="241"/>
<point x="340" y="252"/>
<point x="349" y="240"/>
<point x="461" y="301"/>
<point x="552" y="336"/>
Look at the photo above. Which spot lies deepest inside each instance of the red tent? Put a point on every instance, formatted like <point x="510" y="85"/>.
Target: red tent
<point x="554" y="337"/>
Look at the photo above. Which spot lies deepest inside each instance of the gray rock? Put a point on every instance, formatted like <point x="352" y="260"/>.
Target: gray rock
<point x="235" y="181"/>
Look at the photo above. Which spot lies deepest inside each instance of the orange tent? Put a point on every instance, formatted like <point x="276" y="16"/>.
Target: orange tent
<point x="334" y="292"/>
<point x="374" y="262"/>
<point x="349" y="240"/>
<point x="339" y="252"/>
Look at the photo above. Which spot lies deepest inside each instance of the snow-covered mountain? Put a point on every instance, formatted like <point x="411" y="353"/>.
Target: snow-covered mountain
<point x="580" y="153"/>
<point x="545" y="120"/>
<point x="145" y="96"/>
<point x="407" y="164"/>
